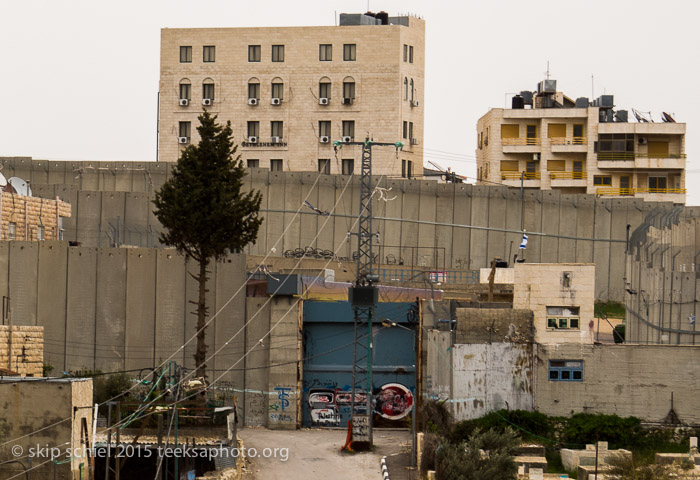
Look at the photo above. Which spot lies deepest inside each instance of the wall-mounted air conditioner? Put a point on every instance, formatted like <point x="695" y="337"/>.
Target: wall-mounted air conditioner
<point x="275" y="139"/>
<point x="252" y="101"/>
<point x="184" y="102"/>
<point x="642" y="140"/>
<point x="323" y="101"/>
<point x="324" y="139"/>
<point x="206" y="101"/>
<point x="347" y="100"/>
<point x="414" y="103"/>
<point x="276" y="101"/>
<point x="183" y="139"/>
<point x="252" y="139"/>
<point x="414" y="141"/>
<point x="347" y="139"/>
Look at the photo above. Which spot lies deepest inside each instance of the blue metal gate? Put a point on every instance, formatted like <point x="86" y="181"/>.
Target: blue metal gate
<point x="328" y="359"/>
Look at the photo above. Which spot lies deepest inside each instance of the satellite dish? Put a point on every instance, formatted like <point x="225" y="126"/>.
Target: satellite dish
<point x="638" y="115"/>
<point x="21" y="186"/>
<point x="3" y="181"/>
<point x="667" y="118"/>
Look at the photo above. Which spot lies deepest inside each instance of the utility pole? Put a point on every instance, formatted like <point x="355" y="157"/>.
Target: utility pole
<point x="363" y="296"/>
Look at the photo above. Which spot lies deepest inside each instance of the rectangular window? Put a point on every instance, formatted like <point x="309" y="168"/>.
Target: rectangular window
<point x="349" y="52"/>
<point x="324" y="128"/>
<point x="657" y="149"/>
<point x="324" y="90"/>
<point x="253" y="163"/>
<point x="406" y="168"/>
<point x="254" y="90"/>
<point x="563" y="318"/>
<point x="566" y="370"/>
<point x="277" y="129"/>
<point x="405" y="53"/>
<point x="657" y="183"/>
<point x="410" y="54"/>
<point x="531" y="134"/>
<point x="278" y="90"/>
<point x="349" y="90"/>
<point x="185" y="129"/>
<point x="625" y="185"/>
<point x="615" y="146"/>
<point x="410" y="130"/>
<point x="276" y="165"/>
<point x="349" y="128"/>
<point x="209" y="54"/>
<point x="324" y="165"/>
<point x="509" y="165"/>
<point x="405" y="129"/>
<point x="602" y="180"/>
<point x="208" y="91"/>
<point x="510" y="131"/>
<point x="40" y="232"/>
<point x="254" y="53"/>
<point x="531" y="167"/>
<point x="185" y="54"/>
<point x="185" y="89"/>
<point x="578" y="134"/>
<point x="556" y="165"/>
<point x="325" y="52"/>
<point x="253" y="129"/>
<point x="556" y="130"/>
<point x="278" y="53"/>
<point x="348" y="166"/>
<point x="578" y="170"/>
<point x="11" y="231"/>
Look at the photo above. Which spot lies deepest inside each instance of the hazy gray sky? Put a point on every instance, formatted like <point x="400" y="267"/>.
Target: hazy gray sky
<point x="80" y="78"/>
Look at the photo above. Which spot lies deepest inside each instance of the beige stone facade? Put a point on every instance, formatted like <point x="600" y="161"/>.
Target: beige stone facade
<point x="561" y="297"/>
<point x="24" y="353"/>
<point x="378" y="68"/>
<point x="31" y="218"/>
<point x="570" y="149"/>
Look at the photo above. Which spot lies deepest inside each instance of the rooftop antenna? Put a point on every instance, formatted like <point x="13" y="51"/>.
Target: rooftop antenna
<point x="547" y="72"/>
<point x="592" y="87"/>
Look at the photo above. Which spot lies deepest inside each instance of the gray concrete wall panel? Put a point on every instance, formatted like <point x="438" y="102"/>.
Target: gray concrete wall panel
<point x="23" y="280"/>
<point x="82" y="344"/>
<point x="171" y="305"/>
<point x="51" y="300"/>
<point x="139" y="330"/>
<point x="256" y="362"/>
<point x="110" y="308"/>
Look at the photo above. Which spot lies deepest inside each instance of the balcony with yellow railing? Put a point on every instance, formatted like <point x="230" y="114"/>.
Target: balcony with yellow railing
<point x="512" y="179"/>
<point x="521" y="144"/>
<point x="666" y="194"/>
<point x="568" y="179"/>
<point x="640" y="160"/>
<point x="568" y="144"/>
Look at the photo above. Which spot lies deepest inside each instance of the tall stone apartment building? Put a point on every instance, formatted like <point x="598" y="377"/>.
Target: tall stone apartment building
<point x="578" y="146"/>
<point x="290" y="92"/>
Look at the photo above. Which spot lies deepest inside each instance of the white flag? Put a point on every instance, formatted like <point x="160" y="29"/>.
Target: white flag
<point x="523" y="243"/>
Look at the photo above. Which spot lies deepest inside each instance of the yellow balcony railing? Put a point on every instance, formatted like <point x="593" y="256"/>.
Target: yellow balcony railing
<point x="516" y="175"/>
<point x="633" y="191"/>
<point x="567" y="140"/>
<point x="520" y="141"/>
<point x="633" y="155"/>
<point x="567" y="175"/>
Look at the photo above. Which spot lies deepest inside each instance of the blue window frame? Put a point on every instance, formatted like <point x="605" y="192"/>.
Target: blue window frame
<point x="566" y="370"/>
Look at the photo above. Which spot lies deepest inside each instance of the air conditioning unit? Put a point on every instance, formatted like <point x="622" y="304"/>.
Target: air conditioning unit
<point x="347" y="139"/>
<point x="206" y="101"/>
<point x="276" y="101"/>
<point x="275" y="139"/>
<point x="252" y="101"/>
<point x="414" y="141"/>
<point x="183" y="139"/>
<point x="252" y="139"/>
<point x="642" y="140"/>
<point x="323" y="101"/>
<point x="536" y="156"/>
<point x="324" y="139"/>
<point x="347" y="100"/>
<point x="184" y="102"/>
<point x="414" y="103"/>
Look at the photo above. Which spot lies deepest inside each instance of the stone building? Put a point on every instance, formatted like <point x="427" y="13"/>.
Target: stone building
<point x="31" y="218"/>
<point x="22" y="349"/>
<point x="290" y="92"/>
<point x="577" y="146"/>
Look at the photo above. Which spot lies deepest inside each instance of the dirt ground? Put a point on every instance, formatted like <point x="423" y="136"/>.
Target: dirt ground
<point x="316" y="451"/>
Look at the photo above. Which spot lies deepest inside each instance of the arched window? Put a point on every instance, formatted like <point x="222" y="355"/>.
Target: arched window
<point x="405" y="88"/>
<point x="349" y="89"/>
<point x="185" y="89"/>
<point x="277" y="88"/>
<point x="324" y="88"/>
<point x="254" y="88"/>
<point x="208" y="89"/>
<point x="412" y="89"/>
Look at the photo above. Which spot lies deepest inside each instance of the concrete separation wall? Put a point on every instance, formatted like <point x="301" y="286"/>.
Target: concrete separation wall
<point x="423" y="223"/>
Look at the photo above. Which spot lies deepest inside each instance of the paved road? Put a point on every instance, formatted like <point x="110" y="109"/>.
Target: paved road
<point x="315" y="451"/>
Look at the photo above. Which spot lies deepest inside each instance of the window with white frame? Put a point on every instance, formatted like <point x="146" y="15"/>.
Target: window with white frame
<point x="563" y="318"/>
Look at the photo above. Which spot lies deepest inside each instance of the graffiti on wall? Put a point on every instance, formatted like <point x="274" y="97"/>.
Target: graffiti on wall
<point x="278" y="410"/>
<point x="393" y="401"/>
<point x="323" y="408"/>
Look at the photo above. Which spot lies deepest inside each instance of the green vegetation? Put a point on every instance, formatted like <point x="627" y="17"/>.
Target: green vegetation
<point x="204" y="211"/>
<point x="610" y="309"/>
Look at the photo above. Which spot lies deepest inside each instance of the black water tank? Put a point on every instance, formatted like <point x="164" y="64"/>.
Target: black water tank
<point x="518" y="102"/>
<point x="384" y="17"/>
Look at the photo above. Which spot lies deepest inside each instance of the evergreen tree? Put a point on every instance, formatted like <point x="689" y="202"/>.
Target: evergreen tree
<point x="204" y="212"/>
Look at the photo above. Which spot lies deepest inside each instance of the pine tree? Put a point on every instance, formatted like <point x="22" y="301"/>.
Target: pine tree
<point x="204" y="212"/>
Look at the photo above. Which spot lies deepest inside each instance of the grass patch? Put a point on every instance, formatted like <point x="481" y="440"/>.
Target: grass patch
<point x="610" y="309"/>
